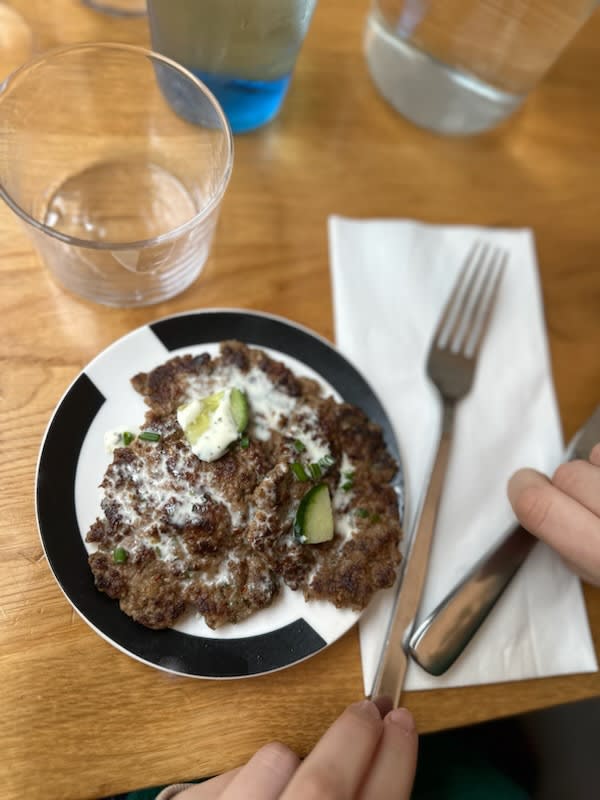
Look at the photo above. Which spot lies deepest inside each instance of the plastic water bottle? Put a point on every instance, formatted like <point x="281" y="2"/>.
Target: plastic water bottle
<point x="243" y="50"/>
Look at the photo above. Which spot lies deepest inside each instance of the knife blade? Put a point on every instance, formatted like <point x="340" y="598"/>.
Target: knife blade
<point x="445" y="633"/>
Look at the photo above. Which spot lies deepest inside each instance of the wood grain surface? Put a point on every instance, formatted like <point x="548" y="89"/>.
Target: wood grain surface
<point x="79" y="719"/>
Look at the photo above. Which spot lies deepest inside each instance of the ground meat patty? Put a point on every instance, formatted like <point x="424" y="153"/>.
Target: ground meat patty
<point x="363" y="555"/>
<point x="178" y="520"/>
<point x="178" y="533"/>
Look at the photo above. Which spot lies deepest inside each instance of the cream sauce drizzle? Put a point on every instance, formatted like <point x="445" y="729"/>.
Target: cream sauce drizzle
<point x="271" y="409"/>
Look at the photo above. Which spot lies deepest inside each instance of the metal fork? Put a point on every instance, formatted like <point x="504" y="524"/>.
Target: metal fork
<point x="451" y="367"/>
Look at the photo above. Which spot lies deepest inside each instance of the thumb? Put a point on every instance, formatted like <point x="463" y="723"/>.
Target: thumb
<point x="560" y="520"/>
<point x="529" y="493"/>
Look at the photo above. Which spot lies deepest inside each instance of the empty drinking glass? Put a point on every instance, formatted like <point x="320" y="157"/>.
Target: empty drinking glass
<point x="119" y="194"/>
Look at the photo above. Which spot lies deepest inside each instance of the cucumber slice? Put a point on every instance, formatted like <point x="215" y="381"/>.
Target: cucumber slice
<point x="239" y="409"/>
<point x="314" y="518"/>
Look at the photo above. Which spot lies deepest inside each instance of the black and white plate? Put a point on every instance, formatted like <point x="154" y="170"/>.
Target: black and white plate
<point x="73" y="460"/>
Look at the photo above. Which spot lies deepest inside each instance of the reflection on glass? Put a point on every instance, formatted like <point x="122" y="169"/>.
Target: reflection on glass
<point x="118" y="8"/>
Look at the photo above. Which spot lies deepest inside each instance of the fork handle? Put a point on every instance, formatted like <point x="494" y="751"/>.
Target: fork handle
<point x="394" y="660"/>
<point x="446" y="632"/>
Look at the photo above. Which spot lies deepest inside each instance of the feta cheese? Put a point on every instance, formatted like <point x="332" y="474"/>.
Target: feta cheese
<point x="209" y="425"/>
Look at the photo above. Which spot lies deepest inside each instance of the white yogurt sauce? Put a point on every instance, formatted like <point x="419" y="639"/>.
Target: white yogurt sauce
<point x="267" y="403"/>
<point x="344" y="519"/>
<point x="114" y="438"/>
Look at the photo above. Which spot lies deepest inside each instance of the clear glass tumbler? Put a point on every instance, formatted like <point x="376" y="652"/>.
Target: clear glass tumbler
<point x="119" y="193"/>
<point x="244" y="50"/>
<point x="462" y="66"/>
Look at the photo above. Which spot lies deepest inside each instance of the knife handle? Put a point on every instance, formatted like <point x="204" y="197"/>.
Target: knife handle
<point x="442" y="637"/>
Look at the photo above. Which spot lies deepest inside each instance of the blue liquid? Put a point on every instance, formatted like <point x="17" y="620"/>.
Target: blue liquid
<point x="247" y="104"/>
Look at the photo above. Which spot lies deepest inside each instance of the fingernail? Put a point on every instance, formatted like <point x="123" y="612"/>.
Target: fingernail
<point x="524" y="479"/>
<point x="595" y="455"/>
<point x="368" y="708"/>
<point x="402" y="718"/>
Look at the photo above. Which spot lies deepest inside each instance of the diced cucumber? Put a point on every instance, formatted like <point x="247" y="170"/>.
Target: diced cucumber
<point x="314" y="518"/>
<point x="239" y="409"/>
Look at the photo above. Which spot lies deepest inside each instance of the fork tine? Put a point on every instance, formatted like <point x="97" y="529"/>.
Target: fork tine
<point x="484" y="275"/>
<point x="449" y="313"/>
<point x="486" y="301"/>
<point x="465" y="306"/>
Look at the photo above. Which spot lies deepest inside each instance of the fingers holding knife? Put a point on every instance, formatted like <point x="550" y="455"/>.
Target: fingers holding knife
<point x="563" y="511"/>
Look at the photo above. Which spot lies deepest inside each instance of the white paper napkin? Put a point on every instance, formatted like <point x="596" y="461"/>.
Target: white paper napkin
<point x="391" y="280"/>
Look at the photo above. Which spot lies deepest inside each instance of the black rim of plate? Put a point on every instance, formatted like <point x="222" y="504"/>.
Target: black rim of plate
<point x="168" y="649"/>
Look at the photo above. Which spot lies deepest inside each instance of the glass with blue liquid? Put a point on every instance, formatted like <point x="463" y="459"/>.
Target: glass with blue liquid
<point x="243" y="50"/>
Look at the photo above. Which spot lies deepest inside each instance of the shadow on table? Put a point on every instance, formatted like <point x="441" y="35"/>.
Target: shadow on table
<point x="545" y="755"/>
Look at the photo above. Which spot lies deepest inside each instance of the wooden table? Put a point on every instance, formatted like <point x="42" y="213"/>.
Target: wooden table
<point x="78" y="719"/>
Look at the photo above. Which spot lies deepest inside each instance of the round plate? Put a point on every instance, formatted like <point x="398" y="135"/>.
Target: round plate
<point x="73" y="460"/>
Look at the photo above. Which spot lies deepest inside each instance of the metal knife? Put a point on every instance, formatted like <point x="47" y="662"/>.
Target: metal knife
<point x="441" y="638"/>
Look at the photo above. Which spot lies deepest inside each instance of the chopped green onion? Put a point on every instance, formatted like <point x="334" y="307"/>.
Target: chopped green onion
<point x="315" y="471"/>
<point x="128" y="438"/>
<point x="362" y="512"/>
<point x="244" y="442"/>
<point x="158" y="551"/>
<point x="327" y="461"/>
<point x="299" y="447"/>
<point x="299" y="471"/>
<point x="348" y="484"/>
<point x="150" y="436"/>
<point x="120" y="555"/>
<point x="375" y="518"/>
